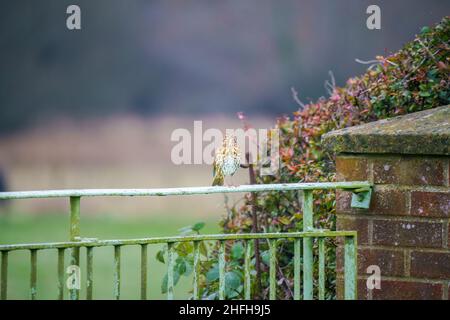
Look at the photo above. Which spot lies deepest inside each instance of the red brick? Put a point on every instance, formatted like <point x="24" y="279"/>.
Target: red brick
<point x="352" y="169"/>
<point x="363" y="292"/>
<point x="343" y="200"/>
<point x="403" y="290"/>
<point x="340" y="259"/>
<point x="407" y="233"/>
<point x="384" y="202"/>
<point x="409" y="171"/>
<point x="422" y="171"/>
<point x="386" y="170"/>
<point x="361" y="225"/>
<point x="390" y="202"/>
<point x="430" y="204"/>
<point x="433" y="265"/>
<point x="339" y="288"/>
<point x="391" y="262"/>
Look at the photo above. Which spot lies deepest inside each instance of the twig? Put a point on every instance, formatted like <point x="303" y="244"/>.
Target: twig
<point x="415" y="69"/>
<point x="427" y="50"/>
<point x="329" y="87"/>
<point x="286" y="283"/>
<point x="297" y="99"/>
<point x="367" y="62"/>
<point x="375" y="62"/>
<point x="227" y="207"/>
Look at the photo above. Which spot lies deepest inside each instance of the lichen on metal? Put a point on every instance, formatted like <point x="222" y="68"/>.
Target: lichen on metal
<point x="272" y="269"/>
<point x="175" y="239"/>
<point x="361" y="189"/>
<point x="182" y="191"/>
<point x="350" y="272"/>
<point x="222" y="270"/>
<point x="361" y="198"/>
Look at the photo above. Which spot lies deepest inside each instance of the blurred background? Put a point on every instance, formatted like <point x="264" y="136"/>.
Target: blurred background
<point x="95" y="108"/>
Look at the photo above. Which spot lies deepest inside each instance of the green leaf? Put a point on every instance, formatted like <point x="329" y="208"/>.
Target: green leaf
<point x="230" y="294"/>
<point x="180" y="266"/>
<point x="160" y="256"/>
<point x="232" y="280"/>
<point x="232" y="284"/>
<point x="213" y="273"/>
<point x="237" y="250"/>
<point x="425" y="29"/>
<point x="265" y="256"/>
<point x="198" y="226"/>
<point x="184" y="248"/>
<point x="212" y="296"/>
<point x="164" y="284"/>
<point x="189" y="263"/>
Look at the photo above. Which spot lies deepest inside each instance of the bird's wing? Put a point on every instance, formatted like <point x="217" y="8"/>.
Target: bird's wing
<point x="218" y="178"/>
<point x="217" y="175"/>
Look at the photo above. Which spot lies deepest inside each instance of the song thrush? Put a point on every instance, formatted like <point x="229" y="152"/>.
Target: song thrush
<point x="227" y="160"/>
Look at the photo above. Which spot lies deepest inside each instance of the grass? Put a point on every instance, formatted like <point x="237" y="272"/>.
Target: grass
<point x="46" y="228"/>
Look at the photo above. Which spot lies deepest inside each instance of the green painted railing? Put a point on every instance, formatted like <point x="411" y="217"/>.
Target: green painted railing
<point x="361" y="196"/>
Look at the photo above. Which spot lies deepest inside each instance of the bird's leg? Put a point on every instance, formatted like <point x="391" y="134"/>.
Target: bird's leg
<point x="232" y="182"/>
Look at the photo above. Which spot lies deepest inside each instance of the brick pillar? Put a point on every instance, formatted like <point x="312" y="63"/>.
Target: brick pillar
<point x="406" y="230"/>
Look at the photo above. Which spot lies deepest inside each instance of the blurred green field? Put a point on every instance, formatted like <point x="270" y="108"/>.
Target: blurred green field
<point x="16" y="228"/>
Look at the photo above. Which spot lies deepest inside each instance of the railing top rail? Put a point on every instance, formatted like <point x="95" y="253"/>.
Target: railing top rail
<point x="182" y="191"/>
<point x="156" y="240"/>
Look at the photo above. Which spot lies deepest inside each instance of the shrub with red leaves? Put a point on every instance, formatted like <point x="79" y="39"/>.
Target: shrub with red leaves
<point x="413" y="79"/>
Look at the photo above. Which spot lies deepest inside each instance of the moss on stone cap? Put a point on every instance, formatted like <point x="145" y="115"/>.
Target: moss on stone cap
<point x="425" y="132"/>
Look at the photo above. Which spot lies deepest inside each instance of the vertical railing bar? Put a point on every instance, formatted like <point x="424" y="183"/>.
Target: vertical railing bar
<point x="74" y="218"/>
<point x="272" y="269"/>
<point x="196" y="294"/>
<point x="307" y="205"/>
<point x="89" y="272"/>
<point x="117" y="272"/>
<point x="307" y="268"/>
<point x="170" y="257"/>
<point x="144" y="271"/>
<point x="222" y="270"/>
<point x="4" y="276"/>
<point x="33" y="274"/>
<point x="321" y="268"/>
<point x="297" y="268"/>
<point x="75" y="236"/>
<point x="307" y="208"/>
<point x="247" y="275"/>
<point x="350" y="272"/>
<point x="75" y="261"/>
<point x="61" y="252"/>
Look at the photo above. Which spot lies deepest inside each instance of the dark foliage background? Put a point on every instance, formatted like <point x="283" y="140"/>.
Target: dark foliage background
<point x="187" y="57"/>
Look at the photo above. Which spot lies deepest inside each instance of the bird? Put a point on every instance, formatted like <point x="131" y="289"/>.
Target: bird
<point x="227" y="160"/>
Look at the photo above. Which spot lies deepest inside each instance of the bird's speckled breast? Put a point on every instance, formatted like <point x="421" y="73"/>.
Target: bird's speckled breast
<point x="230" y="165"/>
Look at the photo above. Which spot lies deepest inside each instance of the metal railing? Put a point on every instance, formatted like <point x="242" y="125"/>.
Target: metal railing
<point x="303" y="259"/>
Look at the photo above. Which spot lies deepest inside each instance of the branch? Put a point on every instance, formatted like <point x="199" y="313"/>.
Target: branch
<point x="296" y="98"/>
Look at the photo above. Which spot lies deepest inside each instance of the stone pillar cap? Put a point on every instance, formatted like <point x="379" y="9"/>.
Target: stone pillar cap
<point x="425" y="132"/>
